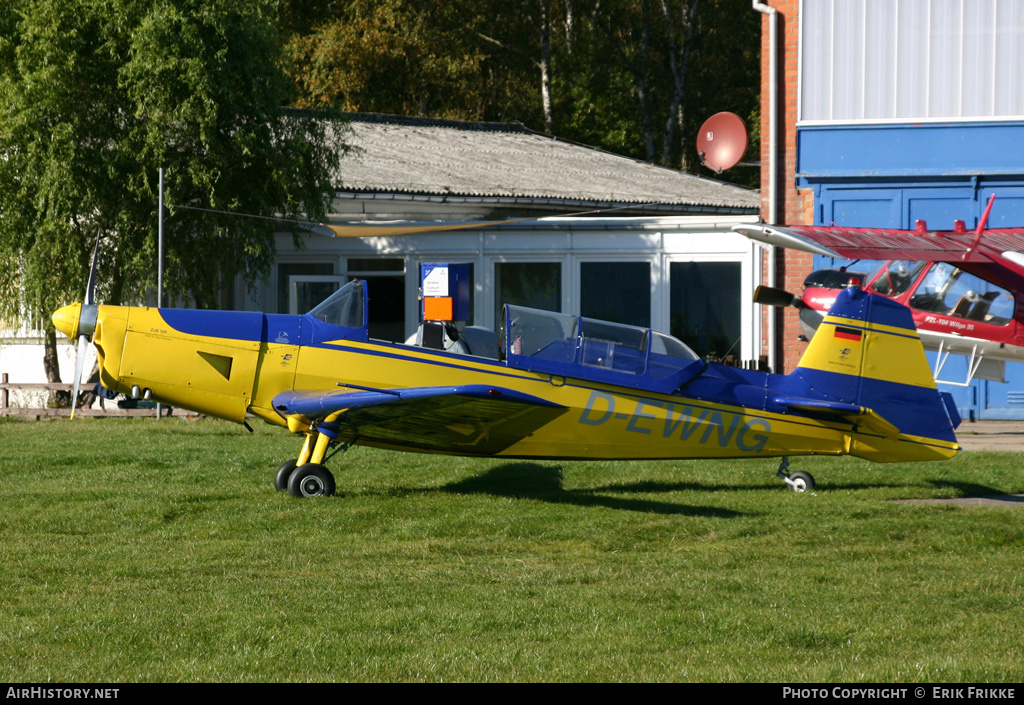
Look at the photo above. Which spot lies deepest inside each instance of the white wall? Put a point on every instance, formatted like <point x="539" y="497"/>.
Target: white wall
<point x="22" y="359"/>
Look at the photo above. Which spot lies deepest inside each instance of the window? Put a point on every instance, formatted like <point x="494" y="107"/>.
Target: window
<point x="705" y="306"/>
<point x="613" y="346"/>
<point x="472" y="280"/>
<point x="546" y="334"/>
<point x="897" y="278"/>
<point x="950" y="291"/>
<point x="343" y="308"/>
<point x="533" y="284"/>
<point x="911" y="59"/>
<point x="564" y="344"/>
<point x="306" y="291"/>
<point x="616" y="291"/>
<point x="287" y="270"/>
<point x="385" y="284"/>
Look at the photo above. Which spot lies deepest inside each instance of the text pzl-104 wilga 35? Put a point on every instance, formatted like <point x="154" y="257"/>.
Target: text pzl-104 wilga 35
<point x="558" y="387"/>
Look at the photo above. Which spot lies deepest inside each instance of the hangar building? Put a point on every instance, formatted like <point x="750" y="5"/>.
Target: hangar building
<point x="888" y="112"/>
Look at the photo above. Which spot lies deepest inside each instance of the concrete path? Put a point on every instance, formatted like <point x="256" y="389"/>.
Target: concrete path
<point x="986" y="435"/>
<point x="991" y="435"/>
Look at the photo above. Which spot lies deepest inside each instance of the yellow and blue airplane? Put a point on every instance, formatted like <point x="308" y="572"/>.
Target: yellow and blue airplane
<point x="560" y="386"/>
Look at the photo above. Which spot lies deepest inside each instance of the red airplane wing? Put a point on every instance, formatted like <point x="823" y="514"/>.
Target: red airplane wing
<point x="885" y="244"/>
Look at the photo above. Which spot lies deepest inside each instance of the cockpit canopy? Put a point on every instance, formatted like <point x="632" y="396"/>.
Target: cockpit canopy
<point x="615" y="353"/>
<point x="934" y="287"/>
<point x="559" y="344"/>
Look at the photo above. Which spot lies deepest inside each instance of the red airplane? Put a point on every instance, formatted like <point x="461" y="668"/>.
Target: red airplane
<point x="965" y="288"/>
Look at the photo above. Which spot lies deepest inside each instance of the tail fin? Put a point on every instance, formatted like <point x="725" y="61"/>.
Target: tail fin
<point x="866" y="365"/>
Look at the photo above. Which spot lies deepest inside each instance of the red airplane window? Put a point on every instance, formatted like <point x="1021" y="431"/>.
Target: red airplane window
<point x="898" y="277"/>
<point x="950" y="291"/>
<point x="931" y="294"/>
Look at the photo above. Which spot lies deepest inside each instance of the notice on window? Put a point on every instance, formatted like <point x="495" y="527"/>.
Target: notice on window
<point x="435" y="280"/>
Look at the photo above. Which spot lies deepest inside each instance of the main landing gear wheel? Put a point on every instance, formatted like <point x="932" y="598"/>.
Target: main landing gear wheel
<point x="311" y="480"/>
<point x="283" y="473"/>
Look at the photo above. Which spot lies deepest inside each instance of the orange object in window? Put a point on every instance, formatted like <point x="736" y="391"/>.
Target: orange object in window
<point x="437" y="308"/>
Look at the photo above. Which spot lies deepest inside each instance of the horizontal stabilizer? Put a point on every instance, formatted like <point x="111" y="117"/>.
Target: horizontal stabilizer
<point x="851" y="413"/>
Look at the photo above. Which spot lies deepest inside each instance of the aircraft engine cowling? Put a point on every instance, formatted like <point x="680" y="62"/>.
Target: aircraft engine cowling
<point x="204" y="361"/>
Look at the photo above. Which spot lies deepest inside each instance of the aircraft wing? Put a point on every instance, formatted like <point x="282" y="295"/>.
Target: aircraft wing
<point x="884" y="244"/>
<point x="469" y="419"/>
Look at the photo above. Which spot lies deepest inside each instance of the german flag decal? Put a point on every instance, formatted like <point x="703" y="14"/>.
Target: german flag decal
<point x="853" y="334"/>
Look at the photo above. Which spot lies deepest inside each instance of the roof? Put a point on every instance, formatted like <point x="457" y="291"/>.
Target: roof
<point x="508" y="163"/>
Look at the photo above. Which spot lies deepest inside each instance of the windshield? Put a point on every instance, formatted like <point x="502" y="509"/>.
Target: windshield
<point x="950" y="291"/>
<point x="535" y="332"/>
<point x="898" y="277"/>
<point x="342" y="308"/>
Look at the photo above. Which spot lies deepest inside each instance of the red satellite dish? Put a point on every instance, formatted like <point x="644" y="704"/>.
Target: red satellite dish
<point x="722" y="141"/>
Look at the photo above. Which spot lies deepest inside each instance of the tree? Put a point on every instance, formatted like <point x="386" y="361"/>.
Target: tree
<point x="636" y="77"/>
<point x="415" y="57"/>
<point x="95" y="96"/>
<point x="639" y="77"/>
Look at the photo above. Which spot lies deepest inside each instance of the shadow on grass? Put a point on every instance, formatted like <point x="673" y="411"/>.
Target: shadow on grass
<point x="544" y="483"/>
<point x="648" y="487"/>
<point x="765" y="486"/>
<point x="966" y="489"/>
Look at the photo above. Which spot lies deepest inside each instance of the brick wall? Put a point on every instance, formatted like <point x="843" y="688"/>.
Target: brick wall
<point x="795" y="206"/>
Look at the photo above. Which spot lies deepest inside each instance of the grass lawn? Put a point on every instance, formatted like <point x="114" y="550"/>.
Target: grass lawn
<point x="145" y="550"/>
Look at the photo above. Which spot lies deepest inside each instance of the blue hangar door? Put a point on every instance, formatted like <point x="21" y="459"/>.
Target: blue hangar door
<point x="900" y="205"/>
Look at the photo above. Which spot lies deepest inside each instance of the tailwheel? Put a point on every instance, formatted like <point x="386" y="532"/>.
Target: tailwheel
<point x="311" y="480"/>
<point x="801" y="481"/>
<point x="283" y="473"/>
<point x="798" y="481"/>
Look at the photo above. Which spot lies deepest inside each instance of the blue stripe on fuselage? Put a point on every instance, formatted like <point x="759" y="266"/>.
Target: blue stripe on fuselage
<point x="257" y="327"/>
<point x="233" y="325"/>
<point x="730" y="385"/>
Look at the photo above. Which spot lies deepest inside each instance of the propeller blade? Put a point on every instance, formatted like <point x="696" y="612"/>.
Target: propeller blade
<point x="770" y="296"/>
<point x="83" y="342"/>
<point x="87" y="325"/>
<point x="90" y="287"/>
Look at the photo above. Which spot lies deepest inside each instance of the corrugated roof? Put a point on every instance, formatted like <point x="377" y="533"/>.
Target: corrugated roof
<point x="392" y="154"/>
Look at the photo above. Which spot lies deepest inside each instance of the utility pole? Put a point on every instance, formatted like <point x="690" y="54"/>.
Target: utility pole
<point x="160" y="263"/>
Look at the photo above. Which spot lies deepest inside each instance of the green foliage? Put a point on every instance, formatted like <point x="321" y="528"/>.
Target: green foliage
<point x="614" y="66"/>
<point x="96" y="96"/>
<point x="415" y="57"/>
<point x="616" y="72"/>
<point x="145" y="550"/>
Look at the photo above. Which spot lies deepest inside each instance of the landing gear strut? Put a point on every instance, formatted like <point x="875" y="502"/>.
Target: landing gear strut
<point x="798" y="481"/>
